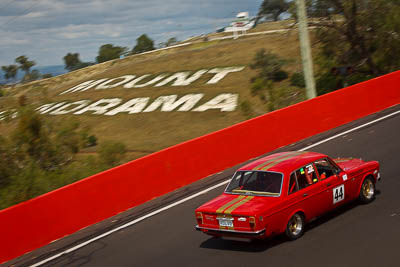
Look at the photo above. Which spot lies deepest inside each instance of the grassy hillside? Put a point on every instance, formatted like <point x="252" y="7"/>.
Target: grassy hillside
<point x="144" y="133"/>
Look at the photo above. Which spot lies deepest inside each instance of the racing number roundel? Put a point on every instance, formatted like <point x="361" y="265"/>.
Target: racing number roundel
<point x="338" y="194"/>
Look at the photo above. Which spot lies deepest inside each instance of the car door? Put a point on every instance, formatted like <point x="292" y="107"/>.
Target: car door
<point x="308" y="192"/>
<point x="335" y="190"/>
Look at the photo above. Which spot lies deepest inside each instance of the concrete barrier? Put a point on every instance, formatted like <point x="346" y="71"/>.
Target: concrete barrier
<point x="37" y="222"/>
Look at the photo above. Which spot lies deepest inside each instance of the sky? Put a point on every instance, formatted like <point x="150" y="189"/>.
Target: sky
<point x="46" y="30"/>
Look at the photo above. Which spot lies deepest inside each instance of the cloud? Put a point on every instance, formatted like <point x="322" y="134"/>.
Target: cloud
<point x="13" y="41"/>
<point x="84" y="25"/>
<point x="35" y="15"/>
<point x="87" y="31"/>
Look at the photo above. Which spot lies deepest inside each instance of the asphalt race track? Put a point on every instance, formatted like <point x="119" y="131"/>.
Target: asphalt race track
<point x="354" y="235"/>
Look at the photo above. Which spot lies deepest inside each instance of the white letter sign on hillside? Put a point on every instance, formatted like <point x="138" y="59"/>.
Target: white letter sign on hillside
<point x="220" y="73"/>
<point x="49" y="107"/>
<point x="63" y="109"/>
<point x="135" y="105"/>
<point x="113" y="106"/>
<point x="99" y="107"/>
<point x="169" y="103"/>
<point x="109" y="83"/>
<point x="151" y="82"/>
<point x="182" y="78"/>
<point x="84" y="86"/>
<point x="131" y="81"/>
<point x="43" y="109"/>
<point x="224" y="102"/>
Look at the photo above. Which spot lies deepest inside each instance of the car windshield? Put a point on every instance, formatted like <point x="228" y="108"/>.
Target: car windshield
<point x="255" y="183"/>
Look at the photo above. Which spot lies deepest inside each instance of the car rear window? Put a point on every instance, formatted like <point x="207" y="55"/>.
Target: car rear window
<point x="256" y="183"/>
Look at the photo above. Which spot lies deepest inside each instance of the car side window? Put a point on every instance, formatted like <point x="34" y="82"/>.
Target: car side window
<point x="325" y="168"/>
<point x="306" y="176"/>
<point x="293" y="186"/>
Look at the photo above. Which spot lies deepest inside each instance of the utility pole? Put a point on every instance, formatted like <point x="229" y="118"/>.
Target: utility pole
<point x="305" y="50"/>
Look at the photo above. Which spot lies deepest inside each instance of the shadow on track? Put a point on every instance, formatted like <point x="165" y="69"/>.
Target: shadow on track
<point x="336" y="213"/>
<point x="242" y="245"/>
<point x="262" y="245"/>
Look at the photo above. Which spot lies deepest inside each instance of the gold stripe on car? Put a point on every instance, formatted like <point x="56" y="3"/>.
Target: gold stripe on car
<point x="223" y="207"/>
<point x="238" y="204"/>
<point x="273" y="159"/>
<point x="281" y="160"/>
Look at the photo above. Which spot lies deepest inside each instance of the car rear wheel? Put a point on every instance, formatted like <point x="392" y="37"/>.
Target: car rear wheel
<point x="295" y="226"/>
<point x="367" y="192"/>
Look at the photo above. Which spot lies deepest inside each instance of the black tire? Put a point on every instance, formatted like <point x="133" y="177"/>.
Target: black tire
<point x="295" y="227"/>
<point x="367" y="191"/>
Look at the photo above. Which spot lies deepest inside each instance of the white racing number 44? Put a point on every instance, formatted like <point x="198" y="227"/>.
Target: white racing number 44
<point x="338" y="194"/>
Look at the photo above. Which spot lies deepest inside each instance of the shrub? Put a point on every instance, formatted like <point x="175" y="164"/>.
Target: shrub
<point x="297" y="79"/>
<point x="280" y="75"/>
<point x="111" y="153"/>
<point x="327" y="83"/>
<point x="91" y="141"/>
<point x="245" y="107"/>
<point x="258" y="85"/>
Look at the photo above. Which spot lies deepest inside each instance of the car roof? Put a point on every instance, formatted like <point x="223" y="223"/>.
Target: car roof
<point x="283" y="162"/>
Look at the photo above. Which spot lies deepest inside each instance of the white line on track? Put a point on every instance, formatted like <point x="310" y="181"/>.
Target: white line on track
<point x="194" y="196"/>
<point x="349" y="131"/>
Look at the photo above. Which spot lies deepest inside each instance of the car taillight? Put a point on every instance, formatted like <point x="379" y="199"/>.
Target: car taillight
<point x="199" y="218"/>
<point x="252" y="221"/>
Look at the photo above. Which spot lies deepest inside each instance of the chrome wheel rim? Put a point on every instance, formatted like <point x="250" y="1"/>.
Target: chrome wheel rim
<point x="295" y="225"/>
<point x="368" y="189"/>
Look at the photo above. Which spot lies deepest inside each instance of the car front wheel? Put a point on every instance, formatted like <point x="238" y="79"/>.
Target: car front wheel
<point x="295" y="226"/>
<point x="367" y="192"/>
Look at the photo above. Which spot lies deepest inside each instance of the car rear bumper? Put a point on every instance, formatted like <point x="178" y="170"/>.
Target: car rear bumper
<point x="225" y="232"/>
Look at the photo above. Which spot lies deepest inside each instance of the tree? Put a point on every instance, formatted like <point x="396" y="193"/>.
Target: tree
<point x="31" y="139"/>
<point x="71" y="61"/>
<point x="29" y="157"/>
<point x="31" y="76"/>
<point x="320" y="8"/>
<point x="25" y="64"/>
<point x="109" y="52"/>
<point x="272" y="9"/>
<point x="143" y="44"/>
<point x="171" y="41"/>
<point x="10" y="71"/>
<point x="49" y="146"/>
<point x="361" y="34"/>
<point x="7" y="162"/>
<point x="315" y="9"/>
<point x="269" y="65"/>
<point x="39" y="155"/>
<point x="269" y="68"/>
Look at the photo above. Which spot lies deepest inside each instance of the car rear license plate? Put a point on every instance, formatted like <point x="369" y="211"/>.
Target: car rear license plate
<point x="225" y="223"/>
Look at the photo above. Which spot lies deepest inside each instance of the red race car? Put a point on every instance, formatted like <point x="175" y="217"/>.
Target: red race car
<point x="280" y="193"/>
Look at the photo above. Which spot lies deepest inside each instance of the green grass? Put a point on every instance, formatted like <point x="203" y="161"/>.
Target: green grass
<point x="144" y="133"/>
<point x="156" y="130"/>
